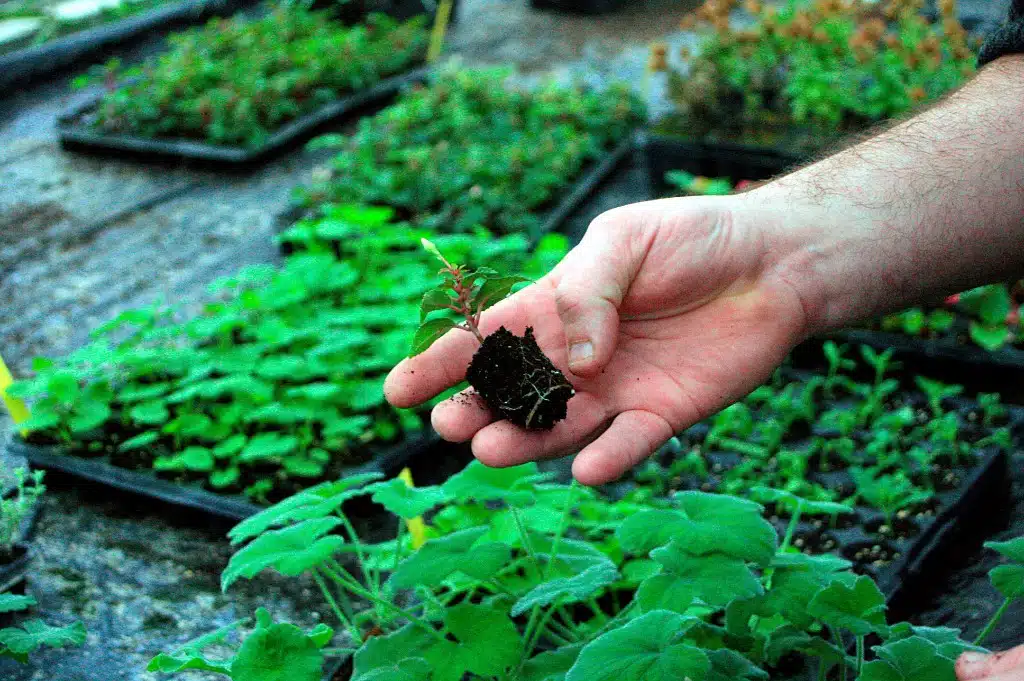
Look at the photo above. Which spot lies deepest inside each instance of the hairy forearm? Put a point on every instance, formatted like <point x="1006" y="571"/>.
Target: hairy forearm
<point x="932" y="206"/>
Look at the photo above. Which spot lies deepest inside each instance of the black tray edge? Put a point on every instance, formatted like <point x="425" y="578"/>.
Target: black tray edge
<point x="75" y="137"/>
<point x="388" y="462"/>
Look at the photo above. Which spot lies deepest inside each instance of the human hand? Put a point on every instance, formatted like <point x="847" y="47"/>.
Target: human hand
<point x="1008" y="666"/>
<point x="665" y="313"/>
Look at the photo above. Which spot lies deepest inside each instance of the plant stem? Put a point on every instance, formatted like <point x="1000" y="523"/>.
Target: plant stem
<point x="523" y="536"/>
<point x="993" y="622"/>
<point x="532" y="635"/>
<point x="342" y="618"/>
<point x="398" y="543"/>
<point x="374" y="598"/>
<point x="842" y="663"/>
<point x="372" y="576"/>
<point x="822" y="669"/>
<point x="860" y="655"/>
<point x="794" y="522"/>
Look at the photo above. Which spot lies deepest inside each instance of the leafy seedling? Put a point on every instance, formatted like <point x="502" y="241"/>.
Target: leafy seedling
<point x="511" y="373"/>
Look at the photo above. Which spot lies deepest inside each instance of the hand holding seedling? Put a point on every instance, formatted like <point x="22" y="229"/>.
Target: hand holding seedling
<point x="666" y="312"/>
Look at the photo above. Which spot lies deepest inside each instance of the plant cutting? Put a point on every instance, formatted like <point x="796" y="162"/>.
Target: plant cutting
<point x="18" y="642"/>
<point x="511" y="373"/>
<point x="517" y="149"/>
<point x="236" y="81"/>
<point x="276" y="384"/>
<point x="516" y="588"/>
<point x="803" y="73"/>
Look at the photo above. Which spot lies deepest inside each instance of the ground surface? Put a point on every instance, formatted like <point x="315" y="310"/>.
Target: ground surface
<point x="82" y="238"/>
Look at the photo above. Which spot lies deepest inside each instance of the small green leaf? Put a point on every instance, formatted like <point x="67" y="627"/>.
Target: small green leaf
<point x="991" y="338"/>
<point x="433" y="300"/>
<point x="551" y="665"/>
<point x="149" y="413"/>
<point x="911" y="659"/>
<point x="568" y="589"/>
<point x="458" y="552"/>
<point x="430" y="331"/>
<point x="1012" y="549"/>
<point x="280" y="652"/>
<point x="650" y="648"/>
<point x="139" y="441"/>
<point x="859" y="609"/>
<point x="291" y="551"/>
<point x="714" y="579"/>
<point x="34" y="634"/>
<point x="408" y="669"/>
<point x="496" y="289"/>
<point x="1008" y="580"/>
<point x="14" y="603"/>
<point x="514" y="485"/>
<point x="405" y="501"/>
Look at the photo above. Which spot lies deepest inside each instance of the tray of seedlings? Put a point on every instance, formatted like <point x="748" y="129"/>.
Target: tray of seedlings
<point x="235" y="92"/>
<point x="275" y="385"/>
<point x="19" y="512"/>
<point x="38" y="37"/>
<point x="887" y="473"/>
<point x="752" y="87"/>
<point x="523" y="577"/>
<point x="526" y="157"/>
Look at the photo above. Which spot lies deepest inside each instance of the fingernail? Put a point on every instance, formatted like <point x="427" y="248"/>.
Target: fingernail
<point x="581" y="352"/>
<point x="972" y="664"/>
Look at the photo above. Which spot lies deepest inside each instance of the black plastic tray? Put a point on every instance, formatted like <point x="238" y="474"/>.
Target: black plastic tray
<point x="737" y="162"/>
<point x="578" y="6"/>
<point x="944" y="359"/>
<point x="75" y="136"/>
<point x="28" y="63"/>
<point x="593" y="176"/>
<point x="99" y="473"/>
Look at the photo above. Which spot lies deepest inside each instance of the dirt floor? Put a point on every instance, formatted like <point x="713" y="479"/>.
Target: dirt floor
<point x="82" y="238"/>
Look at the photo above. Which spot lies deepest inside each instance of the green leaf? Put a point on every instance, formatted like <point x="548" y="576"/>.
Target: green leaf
<point x="650" y="648"/>
<point x="88" y="416"/>
<point x="552" y="665"/>
<point x="430" y="331"/>
<point x="989" y="337"/>
<point x="714" y="579"/>
<point x="710" y="523"/>
<point x="320" y="501"/>
<point x="267" y="446"/>
<point x="496" y="289"/>
<point x="478" y="482"/>
<point x="458" y="552"/>
<point x="291" y="551"/>
<point x="229" y="447"/>
<point x="1013" y="549"/>
<point x="1008" y="580"/>
<point x="911" y="659"/>
<point x="280" y="652"/>
<point x="859" y="609"/>
<point x="488" y="640"/>
<point x="409" y="669"/>
<point x="14" y="603"/>
<point x="435" y="299"/>
<point x="405" y="501"/>
<point x="34" y="634"/>
<point x="149" y="413"/>
<point x="728" y="665"/>
<point x="568" y="589"/>
<point x="139" y="441"/>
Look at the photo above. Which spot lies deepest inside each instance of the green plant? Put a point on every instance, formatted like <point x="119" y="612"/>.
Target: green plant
<point x="688" y="183"/>
<point x="49" y="25"/>
<point x="1008" y="580"/>
<point x="829" y="66"/>
<point x="19" y="642"/>
<point x="514" y="584"/>
<point x="236" y="81"/>
<point x="473" y="149"/>
<point x="277" y="383"/>
<point x="16" y="507"/>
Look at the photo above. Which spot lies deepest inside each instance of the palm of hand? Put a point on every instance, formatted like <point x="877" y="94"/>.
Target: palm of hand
<point x="700" y="325"/>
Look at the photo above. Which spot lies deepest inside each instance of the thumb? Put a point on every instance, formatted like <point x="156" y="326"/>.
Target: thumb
<point x="592" y="281"/>
<point x="972" y="665"/>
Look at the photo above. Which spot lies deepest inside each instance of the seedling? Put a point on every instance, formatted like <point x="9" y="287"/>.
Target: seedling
<point x="511" y="373"/>
<point x="21" y="641"/>
<point x="17" y="507"/>
<point x="1008" y="579"/>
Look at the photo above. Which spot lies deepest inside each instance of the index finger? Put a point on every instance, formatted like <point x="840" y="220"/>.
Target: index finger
<point x="443" y="365"/>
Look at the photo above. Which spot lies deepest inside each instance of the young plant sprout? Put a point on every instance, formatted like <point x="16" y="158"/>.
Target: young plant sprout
<point x="511" y="373"/>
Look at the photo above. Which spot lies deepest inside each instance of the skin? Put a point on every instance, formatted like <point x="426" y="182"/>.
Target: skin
<point x="668" y="311"/>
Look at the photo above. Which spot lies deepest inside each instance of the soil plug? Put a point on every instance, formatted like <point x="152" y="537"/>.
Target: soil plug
<point x="511" y="373"/>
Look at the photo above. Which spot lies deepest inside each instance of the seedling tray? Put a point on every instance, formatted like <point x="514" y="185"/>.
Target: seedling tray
<point x="75" y="133"/>
<point x="593" y="176"/>
<point x="737" y="162"/>
<point x="32" y="62"/>
<point x="907" y="560"/>
<point x="945" y="359"/>
<point x="13" y="574"/>
<point x="100" y="473"/>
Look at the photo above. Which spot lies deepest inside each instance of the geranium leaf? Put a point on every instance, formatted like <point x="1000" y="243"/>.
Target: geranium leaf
<point x="910" y="659"/>
<point x="568" y="589"/>
<point x="650" y="648"/>
<point x="458" y="552"/>
<point x="859" y="609"/>
<point x="714" y="579"/>
<point x="405" y="501"/>
<point x="478" y="482"/>
<point x="488" y="640"/>
<point x="1008" y="580"/>
<point x="280" y="652"/>
<point x="728" y="665"/>
<point x="35" y="634"/>
<point x="291" y="551"/>
<point x="1013" y="549"/>
<point x="15" y="603"/>
<point x="552" y="665"/>
<point x="409" y="669"/>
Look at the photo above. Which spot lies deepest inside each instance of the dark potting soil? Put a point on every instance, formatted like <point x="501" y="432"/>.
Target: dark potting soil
<point x="518" y="381"/>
